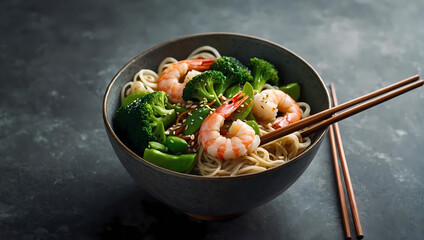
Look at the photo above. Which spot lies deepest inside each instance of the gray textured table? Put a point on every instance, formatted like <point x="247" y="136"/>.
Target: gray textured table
<point x="60" y="178"/>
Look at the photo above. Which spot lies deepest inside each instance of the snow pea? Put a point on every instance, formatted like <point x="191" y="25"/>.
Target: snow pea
<point x="179" y="163"/>
<point x="255" y="126"/>
<point x="195" y="120"/>
<point x="292" y="89"/>
<point x="132" y="97"/>
<point x="232" y="91"/>
<point x="247" y="91"/>
<point x="157" y="146"/>
<point x="176" y="144"/>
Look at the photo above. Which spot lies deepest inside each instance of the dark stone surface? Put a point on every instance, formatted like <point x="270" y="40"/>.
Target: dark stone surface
<point x="60" y="178"/>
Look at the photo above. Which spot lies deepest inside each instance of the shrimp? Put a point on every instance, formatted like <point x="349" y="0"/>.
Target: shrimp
<point x="169" y="79"/>
<point x="268" y="102"/>
<point x="241" y="137"/>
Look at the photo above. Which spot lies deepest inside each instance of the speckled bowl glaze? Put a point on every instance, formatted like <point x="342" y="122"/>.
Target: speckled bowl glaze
<point x="218" y="197"/>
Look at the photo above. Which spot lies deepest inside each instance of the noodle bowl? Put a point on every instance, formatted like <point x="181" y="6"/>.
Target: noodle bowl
<point x="267" y="156"/>
<point x="226" y="196"/>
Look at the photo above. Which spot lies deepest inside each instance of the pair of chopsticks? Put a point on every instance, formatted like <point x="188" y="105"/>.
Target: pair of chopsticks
<point x="327" y="117"/>
<point x="336" y="137"/>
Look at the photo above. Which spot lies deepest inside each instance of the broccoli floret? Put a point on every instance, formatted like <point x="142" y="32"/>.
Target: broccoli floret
<point x="136" y="123"/>
<point x="263" y="72"/>
<point x="162" y="112"/>
<point x="234" y="71"/>
<point x="203" y="86"/>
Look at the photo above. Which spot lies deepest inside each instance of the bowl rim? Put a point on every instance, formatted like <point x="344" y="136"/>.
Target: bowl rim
<point x="199" y="177"/>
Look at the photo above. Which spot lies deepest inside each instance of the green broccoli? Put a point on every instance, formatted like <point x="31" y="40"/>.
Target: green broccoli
<point x="263" y="72"/>
<point x="136" y="123"/>
<point x="234" y="71"/>
<point x="203" y="86"/>
<point x="162" y="111"/>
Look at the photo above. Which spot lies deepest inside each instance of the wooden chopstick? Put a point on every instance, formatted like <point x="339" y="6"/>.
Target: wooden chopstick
<point x="326" y="114"/>
<point x="360" y="108"/>
<point x="340" y="190"/>
<point x="348" y="183"/>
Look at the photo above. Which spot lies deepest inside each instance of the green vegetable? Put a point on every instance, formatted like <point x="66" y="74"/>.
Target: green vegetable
<point x="292" y="89"/>
<point x="234" y="71"/>
<point x="157" y="101"/>
<point x="263" y="72"/>
<point x="140" y="121"/>
<point x="247" y="91"/>
<point x="255" y="126"/>
<point x="203" y="86"/>
<point x="176" y="144"/>
<point x="181" y="163"/>
<point x="157" y="146"/>
<point x="195" y="120"/>
<point x="232" y="91"/>
<point x="250" y="117"/>
<point x="132" y="97"/>
<point x="178" y="109"/>
<point x="160" y="133"/>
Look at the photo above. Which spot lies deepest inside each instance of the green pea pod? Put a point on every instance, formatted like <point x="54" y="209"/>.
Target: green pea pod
<point x="247" y="91"/>
<point x="232" y="91"/>
<point x="195" y="120"/>
<point x="255" y="126"/>
<point x="160" y="133"/>
<point x="292" y="89"/>
<point x="181" y="163"/>
<point x="157" y="146"/>
<point x="250" y="117"/>
<point x="132" y="97"/>
<point x="176" y="144"/>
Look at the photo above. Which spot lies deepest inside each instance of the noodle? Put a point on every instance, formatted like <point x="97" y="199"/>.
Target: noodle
<point x="267" y="156"/>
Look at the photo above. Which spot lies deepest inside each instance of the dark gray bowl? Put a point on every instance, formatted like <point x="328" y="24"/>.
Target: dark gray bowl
<point x="212" y="197"/>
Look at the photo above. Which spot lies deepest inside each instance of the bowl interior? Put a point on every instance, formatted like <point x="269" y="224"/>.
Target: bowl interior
<point x="291" y="67"/>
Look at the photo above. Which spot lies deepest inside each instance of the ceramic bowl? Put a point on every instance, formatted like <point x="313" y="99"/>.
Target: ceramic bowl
<point x="218" y="197"/>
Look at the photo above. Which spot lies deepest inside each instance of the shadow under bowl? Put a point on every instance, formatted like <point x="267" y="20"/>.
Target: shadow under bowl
<point x="212" y="198"/>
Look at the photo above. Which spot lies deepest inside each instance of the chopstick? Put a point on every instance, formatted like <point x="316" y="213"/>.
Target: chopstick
<point x="342" y="198"/>
<point x="348" y="183"/>
<point x="327" y="114"/>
